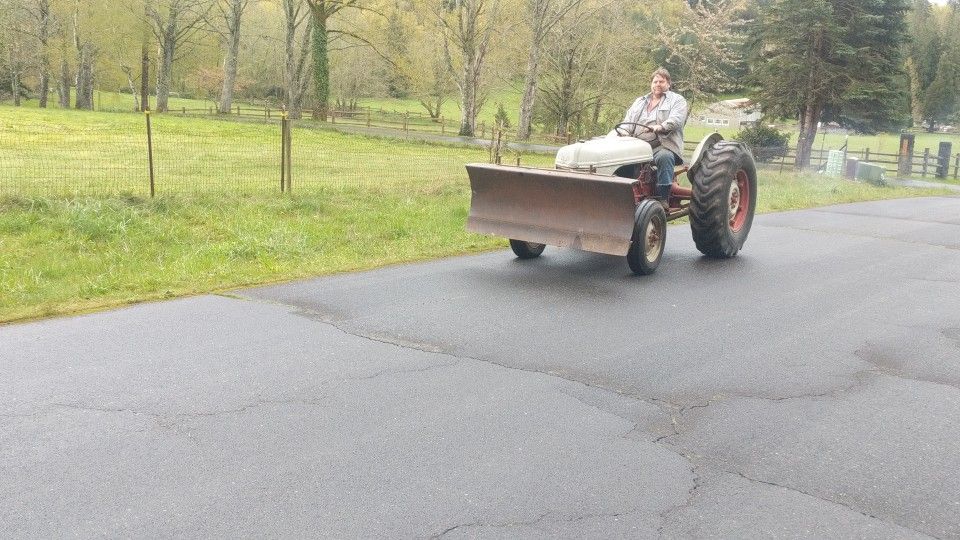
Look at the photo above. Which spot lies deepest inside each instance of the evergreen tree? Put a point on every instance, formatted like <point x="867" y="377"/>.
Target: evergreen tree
<point x="941" y="101"/>
<point x="829" y="59"/>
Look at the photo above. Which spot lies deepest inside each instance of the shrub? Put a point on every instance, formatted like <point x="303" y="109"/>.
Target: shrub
<point x="501" y="117"/>
<point x="765" y="142"/>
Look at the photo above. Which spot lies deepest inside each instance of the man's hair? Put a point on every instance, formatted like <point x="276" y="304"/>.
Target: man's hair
<point x="663" y="73"/>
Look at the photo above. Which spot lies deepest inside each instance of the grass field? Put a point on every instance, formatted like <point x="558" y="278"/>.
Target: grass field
<point x="219" y="220"/>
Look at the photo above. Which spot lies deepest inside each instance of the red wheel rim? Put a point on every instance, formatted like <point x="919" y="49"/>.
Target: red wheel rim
<point x="739" y="201"/>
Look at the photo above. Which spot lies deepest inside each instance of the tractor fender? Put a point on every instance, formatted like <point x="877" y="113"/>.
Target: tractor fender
<point x="706" y="143"/>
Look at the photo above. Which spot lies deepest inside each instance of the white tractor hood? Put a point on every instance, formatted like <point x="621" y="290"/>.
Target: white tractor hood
<point x="603" y="155"/>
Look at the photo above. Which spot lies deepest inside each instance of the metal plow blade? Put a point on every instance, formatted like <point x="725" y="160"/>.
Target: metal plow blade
<point x="558" y="208"/>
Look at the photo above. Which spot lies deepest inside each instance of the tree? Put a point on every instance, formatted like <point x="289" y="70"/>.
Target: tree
<point x="322" y="12"/>
<point x="85" y="59"/>
<point x="922" y="55"/>
<point x="296" y="72"/>
<point x="231" y="12"/>
<point x="173" y="23"/>
<point x="706" y="47"/>
<point x="573" y="52"/>
<point x="940" y="100"/>
<point x="540" y="16"/>
<point x="839" y="57"/>
<point x="467" y="27"/>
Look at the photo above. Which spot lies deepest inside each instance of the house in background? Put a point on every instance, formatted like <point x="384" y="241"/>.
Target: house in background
<point x="729" y="113"/>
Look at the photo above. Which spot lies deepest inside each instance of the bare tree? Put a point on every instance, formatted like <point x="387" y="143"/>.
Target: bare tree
<point x="540" y="16"/>
<point x="467" y="27"/>
<point x="706" y="46"/>
<point x="572" y="59"/>
<point x="296" y="69"/>
<point x="85" y="57"/>
<point x="231" y="11"/>
<point x="172" y="25"/>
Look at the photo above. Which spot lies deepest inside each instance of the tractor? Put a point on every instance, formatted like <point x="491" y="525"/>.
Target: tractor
<point x="600" y="198"/>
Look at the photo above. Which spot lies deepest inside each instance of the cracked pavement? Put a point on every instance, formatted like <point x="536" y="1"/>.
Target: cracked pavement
<point x="808" y="388"/>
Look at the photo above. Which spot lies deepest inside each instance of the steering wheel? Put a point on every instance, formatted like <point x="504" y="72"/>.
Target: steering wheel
<point x="624" y="129"/>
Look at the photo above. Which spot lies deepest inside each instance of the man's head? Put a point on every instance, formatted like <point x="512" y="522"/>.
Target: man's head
<point x="660" y="82"/>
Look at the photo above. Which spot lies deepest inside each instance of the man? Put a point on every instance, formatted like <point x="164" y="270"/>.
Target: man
<point x="661" y="115"/>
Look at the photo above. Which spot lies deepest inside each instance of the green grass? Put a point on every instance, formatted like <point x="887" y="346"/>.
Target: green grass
<point x="220" y="222"/>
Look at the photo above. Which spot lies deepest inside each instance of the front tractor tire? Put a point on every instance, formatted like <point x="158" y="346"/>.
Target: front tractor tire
<point x="649" y="237"/>
<point x="724" y="199"/>
<point x="526" y="250"/>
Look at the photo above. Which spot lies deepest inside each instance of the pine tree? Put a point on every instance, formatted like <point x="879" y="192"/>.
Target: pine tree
<point x="829" y="59"/>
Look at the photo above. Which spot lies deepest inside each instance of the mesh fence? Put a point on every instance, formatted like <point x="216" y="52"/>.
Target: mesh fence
<point x="203" y="156"/>
<point x="109" y="155"/>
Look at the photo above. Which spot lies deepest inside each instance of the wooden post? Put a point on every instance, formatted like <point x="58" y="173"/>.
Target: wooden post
<point x="333" y="116"/>
<point x="956" y="167"/>
<point x="905" y="155"/>
<point x="926" y="156"/>
<point x="483" y="129"/>
<point x="238" y="110"/>
<point x="368" y="118"/>
<point x="443" y="126"/>
<point x="943" y="159"/>
<point x="866" y="155"/>
<point x="406" y="116"/>
<point x="150" y="151"/>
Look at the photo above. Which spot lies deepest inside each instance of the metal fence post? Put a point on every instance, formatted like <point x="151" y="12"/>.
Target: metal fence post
<point x="289" y="155"/>
<point x="283" y="151"/>
<point x="146" y="113"/>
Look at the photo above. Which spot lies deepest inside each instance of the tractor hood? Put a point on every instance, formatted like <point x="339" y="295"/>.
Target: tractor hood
<point x="603" y="154"/>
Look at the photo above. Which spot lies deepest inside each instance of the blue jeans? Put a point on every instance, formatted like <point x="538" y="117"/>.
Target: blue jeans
<point x="665" y="160"/>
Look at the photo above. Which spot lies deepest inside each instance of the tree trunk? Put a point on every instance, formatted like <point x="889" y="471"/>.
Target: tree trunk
<point x="295" y="76"/>
<point x="321" y="68"/>
<point x="529" y="92"/>
<point x="43" y="57"/>
<point x="144" y="77"/>
<point x="84" y="79"/>
<point x="808" y="133"/>
<point x="230" y="60"/>
<point x="916" y="98"/>
<point x="164" y="75"/>
<point x="15" y="86"/>
<point x="468" y="100"/>
<point x="63" y="86"/>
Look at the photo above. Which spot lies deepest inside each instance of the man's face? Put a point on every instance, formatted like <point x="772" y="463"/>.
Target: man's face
<point x="659" y="85"/>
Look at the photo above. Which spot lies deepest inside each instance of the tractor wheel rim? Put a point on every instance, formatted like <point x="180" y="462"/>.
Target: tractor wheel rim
<point x="653" y="239"/>
<point x="739" y="201"/>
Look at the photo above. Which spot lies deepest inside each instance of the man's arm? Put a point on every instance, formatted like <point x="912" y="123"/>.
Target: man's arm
<point x="678" y="115"/>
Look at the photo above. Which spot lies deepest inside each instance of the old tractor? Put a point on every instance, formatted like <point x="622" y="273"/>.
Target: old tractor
<point x="599" y="198"/>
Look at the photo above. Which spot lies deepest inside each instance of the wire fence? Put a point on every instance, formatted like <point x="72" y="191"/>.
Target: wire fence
<point x="193" y="156"/>
<point x="118" y="154"/>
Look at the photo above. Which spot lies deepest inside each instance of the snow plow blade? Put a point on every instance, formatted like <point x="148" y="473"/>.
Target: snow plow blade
<point x="553" y="207"/>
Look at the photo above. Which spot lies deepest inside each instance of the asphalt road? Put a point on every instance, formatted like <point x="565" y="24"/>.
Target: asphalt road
<point x="808" y="388"/>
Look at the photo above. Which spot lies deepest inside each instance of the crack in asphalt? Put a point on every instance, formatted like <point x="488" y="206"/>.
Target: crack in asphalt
<point x="492" y="525"/>
<point x="860" y="235"/>
<point x="819" y="498"/>
<point x="691" y="495"/>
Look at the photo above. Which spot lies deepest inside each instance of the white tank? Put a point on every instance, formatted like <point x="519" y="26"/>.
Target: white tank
<point x="603" y="155"/>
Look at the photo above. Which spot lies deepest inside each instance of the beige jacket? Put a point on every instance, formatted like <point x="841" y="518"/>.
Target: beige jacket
<point x="671" y="114"/>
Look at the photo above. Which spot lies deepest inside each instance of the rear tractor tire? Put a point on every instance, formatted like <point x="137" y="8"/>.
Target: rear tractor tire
<point x="526" y="250"/>
<point x="724" y="199"/>
<point x="649" y="237"/>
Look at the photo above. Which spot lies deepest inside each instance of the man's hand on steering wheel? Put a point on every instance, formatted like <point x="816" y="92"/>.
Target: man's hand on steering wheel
<point x="623" y="130"/>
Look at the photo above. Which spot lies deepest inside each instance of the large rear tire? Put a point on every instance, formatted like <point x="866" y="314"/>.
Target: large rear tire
<point x="526" y="250"/>
<point x="724" y="199"/>
<point x="649" y="237"/>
